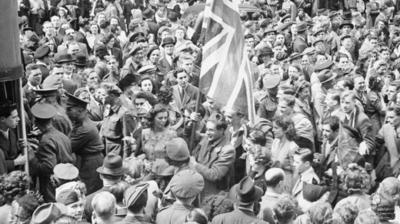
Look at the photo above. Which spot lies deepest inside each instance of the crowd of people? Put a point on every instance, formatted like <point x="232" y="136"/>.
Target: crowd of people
<point x="119" y="130"/>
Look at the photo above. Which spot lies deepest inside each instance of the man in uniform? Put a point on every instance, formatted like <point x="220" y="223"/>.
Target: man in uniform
<point x="54" y="148"/>
<point x="186" y="186"/>
<point x="86" y="143"/>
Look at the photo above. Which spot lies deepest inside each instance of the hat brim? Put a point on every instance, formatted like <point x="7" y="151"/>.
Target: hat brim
<point x="110" y="172"/>
<point x="344" y="24"/>
<point x="257" y="194"/>
<point x="333" y="76"/>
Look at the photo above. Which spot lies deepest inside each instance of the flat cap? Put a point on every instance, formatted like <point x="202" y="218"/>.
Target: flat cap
<point x="168" y="40"/>
<point x="43" y="111"/>
<point x="324" y="65"/>
<point x="65" y="171"/>
<point x="41" y="52"/>
<point x="135" y="49"/>
<point x="132" y="194"/>
<point x="60" y="58"/>
<point x="187" y="184"/>
<point x="137" y="37"/>
<point x="74" y="101"/>
<point x="177" y="149"/>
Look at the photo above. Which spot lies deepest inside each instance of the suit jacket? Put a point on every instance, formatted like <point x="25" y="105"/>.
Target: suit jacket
<point x="190" y="93"/>
<point x="175" y="214"/>
<point x="237" y="216"/>
<point x="215" y="163"/>
<point x="9" y="148"/>
<point x="299" y="44"/>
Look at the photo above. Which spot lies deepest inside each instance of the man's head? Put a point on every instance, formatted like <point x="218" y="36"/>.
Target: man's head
<point x="182" y="77"/>
<point x="103" y="205"/>
<point x="392" y="91"/>
<point x="215" y="128"/>
<point x="233" y="117"/>
<point x="302" y="160"/>
<point x="332" y="99"/>
<point x="347" y="102"/>
<point x="186" y="62"/>
<point x="274" y="178"/>
<point x="359" y="83"/>
<point x="8" y="115"/>
<point x="392" y="114"/>
<point x="343" y="61"/>
<point x="34" y="74"/>
<point x="330" y="128"/>
<point x="286" y="104"/>
<point x="249" y="40"/>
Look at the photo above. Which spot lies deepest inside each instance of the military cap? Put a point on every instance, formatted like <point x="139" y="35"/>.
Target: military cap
<point x="133" y="193"/>
<point x="112" y="165"/>
<point x="168" y="40"/>
<point x="326" y="76"/>
<point x="41" y="52"/>
<point x="60" y="58"/>
<point x="269" y="30"/>
<point x="65" y="171"/>
<point x="177" y="149"/>
<point x="270" y="81"/>
<point x="265" y="51"/>
<point x="43" y="111"/>
<point x="48" y="213"/>
<point x="313" y="192"/>
<point x="287" y="16"/>
<point x="187" y="184"/>
<point x="346" y="22"/>
<point x="161" y="168"/>
<point x="74" y="101"/>
<point x="137" y="37"/>
<point x="67" y="197"/>
<point x="47" y="92"/>
<point x="301" y="27"/>
<point x="324" y="65"/>
<point x="52" y="82"/>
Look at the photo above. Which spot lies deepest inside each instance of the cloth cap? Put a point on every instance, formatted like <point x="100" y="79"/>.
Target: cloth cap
<point x="326" y="76"/>
<point x="266" y="51"/>
<point x="48" y="213"/>
<point x="132" y="194"/>
<point x="67" y="197"/>
<point x="60" y="58"/>
<point x="74" y="101"/>
<point x="137" y="37"/>
<point x="41" y="52"/>
<point x="187" y="184"/>
<point x="322" y="66"/>
<point x="66" y="171"/>
<point x="112" y="165"/>
<point x="43" y="111"/>
<point x="177" y="149"/>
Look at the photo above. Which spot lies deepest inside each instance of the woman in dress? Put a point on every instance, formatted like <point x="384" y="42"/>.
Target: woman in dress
<point x="155" y="137"/>
<point x="283" y="148"/>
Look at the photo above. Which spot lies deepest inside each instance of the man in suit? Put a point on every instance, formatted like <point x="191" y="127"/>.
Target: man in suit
<point x="34" y="76"/>
<point x="9" y="151"/>
<point x="166" y="62"/>
<point x="300" y="42"/>
<point x="302" y="161"/>
<point x="214" y="157"/>
<point x="183" y="92"/>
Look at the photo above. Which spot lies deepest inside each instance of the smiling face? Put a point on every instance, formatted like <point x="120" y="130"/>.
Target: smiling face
<point x="160" y="120"/>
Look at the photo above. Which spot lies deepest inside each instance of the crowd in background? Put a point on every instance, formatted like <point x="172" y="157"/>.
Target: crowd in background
<point x="119" y="130"/>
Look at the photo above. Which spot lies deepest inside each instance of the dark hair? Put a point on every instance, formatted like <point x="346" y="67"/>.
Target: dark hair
<point x="179" y="70"/>
<point x="198" y="216"/>
<point x="333" y="122"/>
<point x="151" y="51"/>
<point x="219" y="121"/>
<point x="6" y="108"/>
<point x="217" y="204"/>
<point x="349" y="83"/>
<point x="257" y="136"/>
<point x="118" y="190"/>
<point x="31" y="67"/>
<point x="285" y="209"/>
<point x="287" y="125"/>
<point x="305" y="154"/>
<point x="164" y="95"/>
<point x="147" y="96"/>
<point x="158" y="108"/>
<point x="396" y="110"/>
<point x="12" y="185"/>
<point x="152" y="83"/>
<point x="289" y="99"/>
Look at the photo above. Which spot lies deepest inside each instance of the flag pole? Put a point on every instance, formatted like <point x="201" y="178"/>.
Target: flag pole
<point x="23" y="125"/>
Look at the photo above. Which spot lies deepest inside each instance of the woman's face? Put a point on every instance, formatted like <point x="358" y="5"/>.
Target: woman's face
<point x="160" y="120"/>
<point x="76" y="210"/>
<point x="147" y="85"/>
<point x="155" y="56"/>
<point x="278" y="131"/>
<point x="305" y="93"/>
<point x="94" y="29"/>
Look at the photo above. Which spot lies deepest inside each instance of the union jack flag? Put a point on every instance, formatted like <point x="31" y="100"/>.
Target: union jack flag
<point x="225" y="71"/>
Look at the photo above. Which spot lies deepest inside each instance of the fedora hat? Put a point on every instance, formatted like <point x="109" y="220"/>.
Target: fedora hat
<point x="326" y="76"/>
<point x="80" y="60"/>
<point x="60" y="58"/>
<point x="301" y="27"/>
<point x="133" y="193"/>
<point x="246" y="192"/>
<point x="112" y="165"/>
